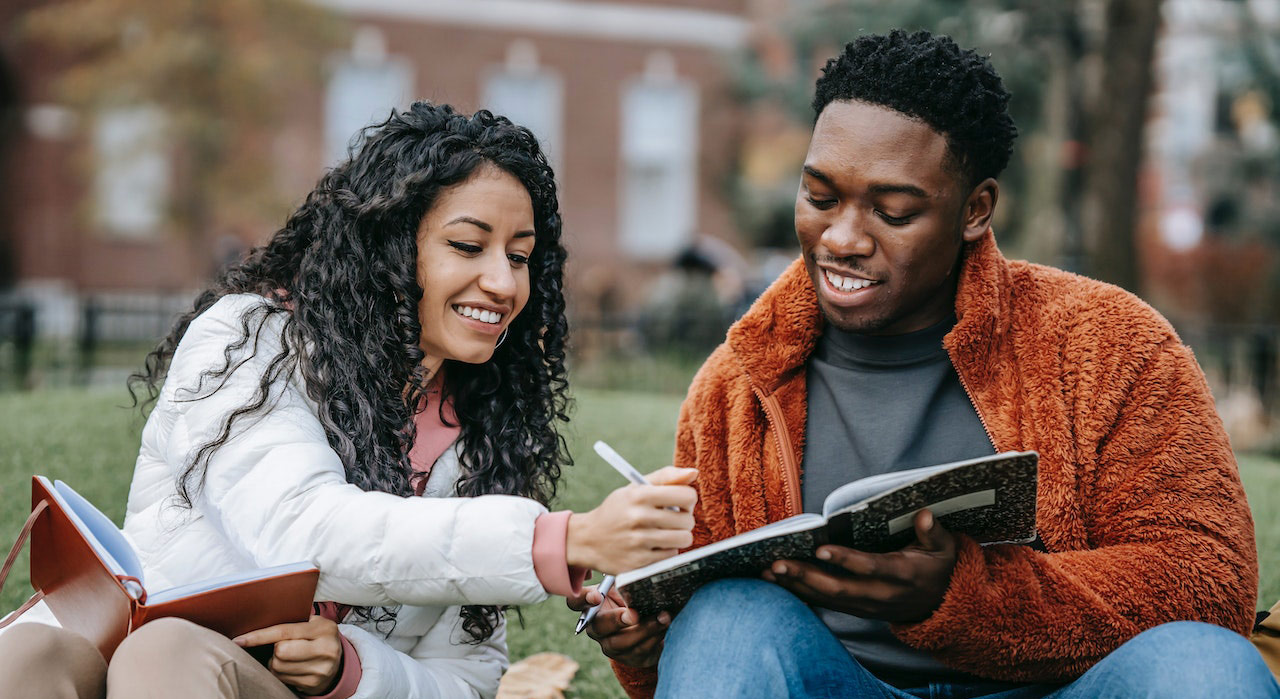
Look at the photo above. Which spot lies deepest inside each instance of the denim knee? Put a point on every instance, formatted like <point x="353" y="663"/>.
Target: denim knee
<point x="1194" y="659"/>
<point x="739" y="606"/>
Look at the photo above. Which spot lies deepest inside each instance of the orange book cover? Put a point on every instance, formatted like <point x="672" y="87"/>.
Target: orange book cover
<point x="93" y="582"/>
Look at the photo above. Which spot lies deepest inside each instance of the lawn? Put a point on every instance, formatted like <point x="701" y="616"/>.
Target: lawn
<point x="85" y="439"/>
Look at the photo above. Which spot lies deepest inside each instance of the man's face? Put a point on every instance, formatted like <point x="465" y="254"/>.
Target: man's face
<point x="881" y="219"/>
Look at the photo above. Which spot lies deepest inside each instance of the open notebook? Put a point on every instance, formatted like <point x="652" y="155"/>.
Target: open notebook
<point x="992" y="499"/>
<point x="94" y="583"/>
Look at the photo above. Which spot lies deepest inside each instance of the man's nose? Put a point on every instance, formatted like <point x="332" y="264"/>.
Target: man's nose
<point x="847" y="236"/>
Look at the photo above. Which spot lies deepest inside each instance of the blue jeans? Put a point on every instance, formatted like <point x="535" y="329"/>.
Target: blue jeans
<point x="750" y="638"/>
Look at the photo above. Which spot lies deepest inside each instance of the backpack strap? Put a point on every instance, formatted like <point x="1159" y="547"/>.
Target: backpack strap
<point x="36" y="511"/>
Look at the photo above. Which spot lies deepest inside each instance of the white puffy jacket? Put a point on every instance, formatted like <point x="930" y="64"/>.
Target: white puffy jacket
<point x="275" y="494"/>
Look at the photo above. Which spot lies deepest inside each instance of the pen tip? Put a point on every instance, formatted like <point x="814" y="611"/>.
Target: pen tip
<point x="582" y="624"/>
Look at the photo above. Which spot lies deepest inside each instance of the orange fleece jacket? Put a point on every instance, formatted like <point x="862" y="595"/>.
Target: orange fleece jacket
<point x="1140" y="504"/>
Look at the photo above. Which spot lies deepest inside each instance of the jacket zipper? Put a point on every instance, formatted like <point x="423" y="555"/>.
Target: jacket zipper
<point x="965" y="385"/>
<point x="786" y="455"/>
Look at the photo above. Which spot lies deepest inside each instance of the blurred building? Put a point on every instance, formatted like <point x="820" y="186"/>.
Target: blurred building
<point x="631" y="100"/>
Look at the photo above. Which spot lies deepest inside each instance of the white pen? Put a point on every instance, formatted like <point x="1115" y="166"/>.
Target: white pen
<point x="629" y="472"/>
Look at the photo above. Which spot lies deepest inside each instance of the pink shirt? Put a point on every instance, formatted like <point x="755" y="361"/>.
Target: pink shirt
<point x="550" y="531"/>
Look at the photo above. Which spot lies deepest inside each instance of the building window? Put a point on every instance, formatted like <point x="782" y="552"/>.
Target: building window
<point x="530" y="96"/>
<point x="131" y="182"/>
<point x="365" y="87"/>
<point x="659" y="165"/>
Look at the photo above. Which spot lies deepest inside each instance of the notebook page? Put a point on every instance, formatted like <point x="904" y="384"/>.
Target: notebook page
<point x="107" y="540"/>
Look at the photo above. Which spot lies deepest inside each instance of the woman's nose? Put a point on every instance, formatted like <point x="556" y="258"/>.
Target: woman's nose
<point x="498" y="278"/>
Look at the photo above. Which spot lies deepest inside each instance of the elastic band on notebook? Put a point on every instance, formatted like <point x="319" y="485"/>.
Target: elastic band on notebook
<point x="134" y="587"/>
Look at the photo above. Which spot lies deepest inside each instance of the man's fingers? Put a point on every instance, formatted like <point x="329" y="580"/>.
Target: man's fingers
<point x="634" y="638"/>
<point x="609" y="622"/>
<point x="616" y="597"/>
<point x="856" y="562"/>
<point x="930" y="532"/>
<point x="584" y="600"/>
<point x="893" y="566"/>
<point x="671" y="475"/>
<point x="814" y="578"/>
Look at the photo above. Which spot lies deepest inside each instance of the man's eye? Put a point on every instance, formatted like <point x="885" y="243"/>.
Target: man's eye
<point x="821" y="203"/>
<point x="895" y="220"/>
<point x="464" y="247"/>
<point x="518" y="260"/>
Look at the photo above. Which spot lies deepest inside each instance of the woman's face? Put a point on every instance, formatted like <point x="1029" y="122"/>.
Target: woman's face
<point x="473" y="265"/>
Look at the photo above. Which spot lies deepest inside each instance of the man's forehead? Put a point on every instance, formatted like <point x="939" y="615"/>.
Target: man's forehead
<point x="870" y="139"/>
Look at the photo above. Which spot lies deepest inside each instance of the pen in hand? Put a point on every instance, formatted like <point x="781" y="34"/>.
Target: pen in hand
<point x="629" y="472"/>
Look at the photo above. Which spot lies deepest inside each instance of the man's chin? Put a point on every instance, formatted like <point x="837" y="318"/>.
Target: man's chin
<point x="859" y="323"/>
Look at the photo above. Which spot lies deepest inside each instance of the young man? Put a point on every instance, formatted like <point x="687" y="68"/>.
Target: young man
<point x="903" y="338"/>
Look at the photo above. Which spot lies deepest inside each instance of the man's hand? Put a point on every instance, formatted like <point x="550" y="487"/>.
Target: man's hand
<point x="619" y="630"/>
<point x="308" y="656"/>
<point x="902" y="586"/>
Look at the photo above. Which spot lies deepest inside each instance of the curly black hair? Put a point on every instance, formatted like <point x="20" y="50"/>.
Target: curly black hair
<point x="928" y="77"/>
<point x="343" y="274"/>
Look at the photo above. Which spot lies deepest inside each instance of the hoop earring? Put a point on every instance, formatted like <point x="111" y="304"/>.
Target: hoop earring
<point x="501" y="338"/>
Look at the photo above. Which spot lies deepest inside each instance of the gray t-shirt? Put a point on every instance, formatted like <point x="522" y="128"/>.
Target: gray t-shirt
<point x="880" y="404"/>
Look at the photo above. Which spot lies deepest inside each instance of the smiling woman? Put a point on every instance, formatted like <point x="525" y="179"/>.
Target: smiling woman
<point x="368" y="391"/>
<point x="473" y="264"/>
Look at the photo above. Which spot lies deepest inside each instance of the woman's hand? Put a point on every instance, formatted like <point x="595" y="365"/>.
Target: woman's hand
<point x="307" y="656"/>
<point x="635" y="525"/>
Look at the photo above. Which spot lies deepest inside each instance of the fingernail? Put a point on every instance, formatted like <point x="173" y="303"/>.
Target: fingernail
<point x="779" y="569"/>
<point x="928" y="520"/>
<point x="664" y="618"/>
<point x="824" y="555"/>
<point x="239" y="641"/>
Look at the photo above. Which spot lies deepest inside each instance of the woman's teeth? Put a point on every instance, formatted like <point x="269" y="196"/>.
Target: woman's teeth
<point x="847" y="283"/>
<point x="490" y="317"/>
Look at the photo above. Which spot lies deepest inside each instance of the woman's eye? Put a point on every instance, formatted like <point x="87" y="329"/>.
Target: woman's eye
<point x="895" y="220"/>
<point x="464" y="247"/>
<point x="821" y="203"/>
<point x="518" y="260"/>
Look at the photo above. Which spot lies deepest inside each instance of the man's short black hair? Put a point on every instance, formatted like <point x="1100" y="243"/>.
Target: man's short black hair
<point x="930" y="78"/>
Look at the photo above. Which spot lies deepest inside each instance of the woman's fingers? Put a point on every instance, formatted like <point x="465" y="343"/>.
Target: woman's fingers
<point x="671" y="475"/>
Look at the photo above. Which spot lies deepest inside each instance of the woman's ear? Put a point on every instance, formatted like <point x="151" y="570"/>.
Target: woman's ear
<point x="979" y="208"/>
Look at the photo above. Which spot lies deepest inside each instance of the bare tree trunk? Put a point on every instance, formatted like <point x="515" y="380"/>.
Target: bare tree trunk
<point x="1117" y="120"/>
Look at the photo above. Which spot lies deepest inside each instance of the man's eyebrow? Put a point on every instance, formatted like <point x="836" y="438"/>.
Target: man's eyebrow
<point x="817" y="174"/>
<point x="908" y="189"/>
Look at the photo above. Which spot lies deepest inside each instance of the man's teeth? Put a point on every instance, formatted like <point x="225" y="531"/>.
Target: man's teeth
<point x="847" y="283"/>
<point x="483" y="316"/>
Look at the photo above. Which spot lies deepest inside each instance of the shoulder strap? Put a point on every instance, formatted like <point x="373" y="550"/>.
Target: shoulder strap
<point x="36" y="511"/>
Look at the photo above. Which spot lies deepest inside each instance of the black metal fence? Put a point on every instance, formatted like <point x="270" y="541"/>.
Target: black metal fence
<point x="655" y="349"/>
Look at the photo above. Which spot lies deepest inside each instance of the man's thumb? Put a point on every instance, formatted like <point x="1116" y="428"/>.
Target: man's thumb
<point x="929" y="532"/>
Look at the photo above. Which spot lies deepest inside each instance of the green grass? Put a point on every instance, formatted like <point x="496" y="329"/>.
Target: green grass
<point x="83" y="438"/>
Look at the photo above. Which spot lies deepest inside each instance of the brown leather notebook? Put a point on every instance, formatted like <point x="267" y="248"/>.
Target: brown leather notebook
<point x="92" y="580"/>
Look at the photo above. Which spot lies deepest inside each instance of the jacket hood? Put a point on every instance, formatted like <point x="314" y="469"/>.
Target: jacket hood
<point x="775" y="337"/>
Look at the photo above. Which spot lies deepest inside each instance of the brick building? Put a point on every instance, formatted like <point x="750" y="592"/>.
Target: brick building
<point x="631" y="99"/>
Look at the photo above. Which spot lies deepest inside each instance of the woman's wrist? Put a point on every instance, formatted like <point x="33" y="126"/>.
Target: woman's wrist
<point x="579" y="547"/>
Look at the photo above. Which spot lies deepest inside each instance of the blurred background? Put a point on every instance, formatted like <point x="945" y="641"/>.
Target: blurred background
<point x="145" y="143"/>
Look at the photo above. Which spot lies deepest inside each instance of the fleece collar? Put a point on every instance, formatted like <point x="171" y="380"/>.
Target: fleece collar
<point x="775" y="338"/>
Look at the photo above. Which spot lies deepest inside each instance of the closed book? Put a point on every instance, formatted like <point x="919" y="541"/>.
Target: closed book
<point x="92" y="580"/>
<point x="992" y="499"/>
